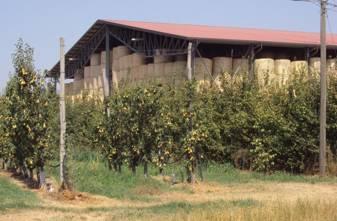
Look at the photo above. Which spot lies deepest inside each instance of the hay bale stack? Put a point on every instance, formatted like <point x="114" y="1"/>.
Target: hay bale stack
<point x="159" y="70"/>
<point x="158" y="59"/>
<point x="282" y="71"/>
<point x="125" y="62"/>
<point x="168" y="70"/>
<point x="78" y="86"/>
<point x="95" y="71"/>
<point x="222" y="65"/>
<point x="120" y="51"/>
<point x="78" y="75"/>
<point x="137" y="59"/>
<point x="315" y="64"/>
<point x="264" y="71"/>
<point x="68" y="89"/>
<point x="298" y="68"/>
<point x="87" y="72"/>
<point x="103" y="55"/>
<point x="95" y="59"/>
<point x="203" y="69"/>
<point x="150" y="72"/>
<point x="332" y="65"/>
<point x="240" y="66"/>
<point x="179" y="70"/>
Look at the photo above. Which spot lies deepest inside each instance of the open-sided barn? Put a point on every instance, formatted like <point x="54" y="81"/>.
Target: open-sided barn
<point x="116" y="52"/>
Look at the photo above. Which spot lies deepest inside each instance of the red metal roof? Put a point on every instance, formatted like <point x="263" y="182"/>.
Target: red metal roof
<point x="229" y="34"/>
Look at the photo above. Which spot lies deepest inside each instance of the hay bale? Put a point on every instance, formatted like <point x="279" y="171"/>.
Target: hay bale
<point x="137" y="59"/>
<point x="95" y="71"/>
<point x="222" y="65"/>
<point x="103" y="55"/>
<point x="150" y="72"/>
<point x="264" y="71"/>
<point x="315" y="64"/>
<point x="203" y="69"/>
<point x="332" y="65"/>
<point x="158" y="59"/>
<point x="120" y="51"/>
<point x="282" y="71"/>
<point x="180" y="70"/>
<point x="240" y="66"/>
<point x="95" y="59"/>
<point x="168" y="69"/>
<point x="298" y="68"/>
<point x="78" y="75"/>
<point x="125" y="62"/>
<point x="159" y="70"/>
<point x="68" y="88"/>
<point x="87" y="72"/>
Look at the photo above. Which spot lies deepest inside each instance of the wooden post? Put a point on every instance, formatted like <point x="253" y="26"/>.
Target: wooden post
<point x="62" y="117"/>
<point x="189" y="61"/>
<point x="323" y="84"/>
<point x="251" y="59"/>
<point x="107" y="69"/>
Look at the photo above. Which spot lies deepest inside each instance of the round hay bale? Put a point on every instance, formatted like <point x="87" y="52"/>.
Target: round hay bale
<point x="240" y="66"/>
<point x="299" y="68"/>
<point x="120" y="51"/>
<point x="264" y="71"/>
<point x="222" y="65"/>
<point x="332" y="66"/>
<point x="203" y="69"/>
<point x="138" y="59"/>
<point x="95" y="59"/>
<point x="282" y="71"/>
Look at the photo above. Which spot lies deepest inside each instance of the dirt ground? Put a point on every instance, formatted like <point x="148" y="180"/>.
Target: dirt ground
<point x="84" y="206"/>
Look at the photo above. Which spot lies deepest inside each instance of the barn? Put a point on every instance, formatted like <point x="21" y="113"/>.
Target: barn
<point x="116" y="53"/>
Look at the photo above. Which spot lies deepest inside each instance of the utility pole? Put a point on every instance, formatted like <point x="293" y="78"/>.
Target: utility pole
<point x="62" y="117"/>
<point x="323" y="85"/>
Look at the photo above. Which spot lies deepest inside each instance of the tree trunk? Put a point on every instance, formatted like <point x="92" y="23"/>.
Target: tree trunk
<point x="42" y="177"/>
<point x="161" y="171"/>
<point x="120" y="168"/>
<point x="133" y="169"/>
<point x="146" y="169"/>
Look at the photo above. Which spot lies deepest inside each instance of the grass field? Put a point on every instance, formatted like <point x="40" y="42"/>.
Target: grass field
<point x="13" y="197"/>
<point x="226" y="194"/>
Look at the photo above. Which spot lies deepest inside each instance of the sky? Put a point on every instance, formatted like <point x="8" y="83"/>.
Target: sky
<point x="41" y="22"/>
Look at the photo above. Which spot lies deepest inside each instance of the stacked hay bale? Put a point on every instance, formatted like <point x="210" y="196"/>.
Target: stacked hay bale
<point x="118" y="67"/>
<point x="332" y="67"/>
<point x="282" y="71"/>
<point x="315" y="67"/>
<point x="68" y="90"/>
<point x="78" y="84"/>
<point x="298" y="69"/>
<point x="222" y="69"/>
<point x="264" y="71"/>
<point x="179" y="74"/>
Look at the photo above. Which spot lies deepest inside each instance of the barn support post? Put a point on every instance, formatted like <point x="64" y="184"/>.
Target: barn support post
<point x="251" y="67"/>
<point x="107" y="69"/>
